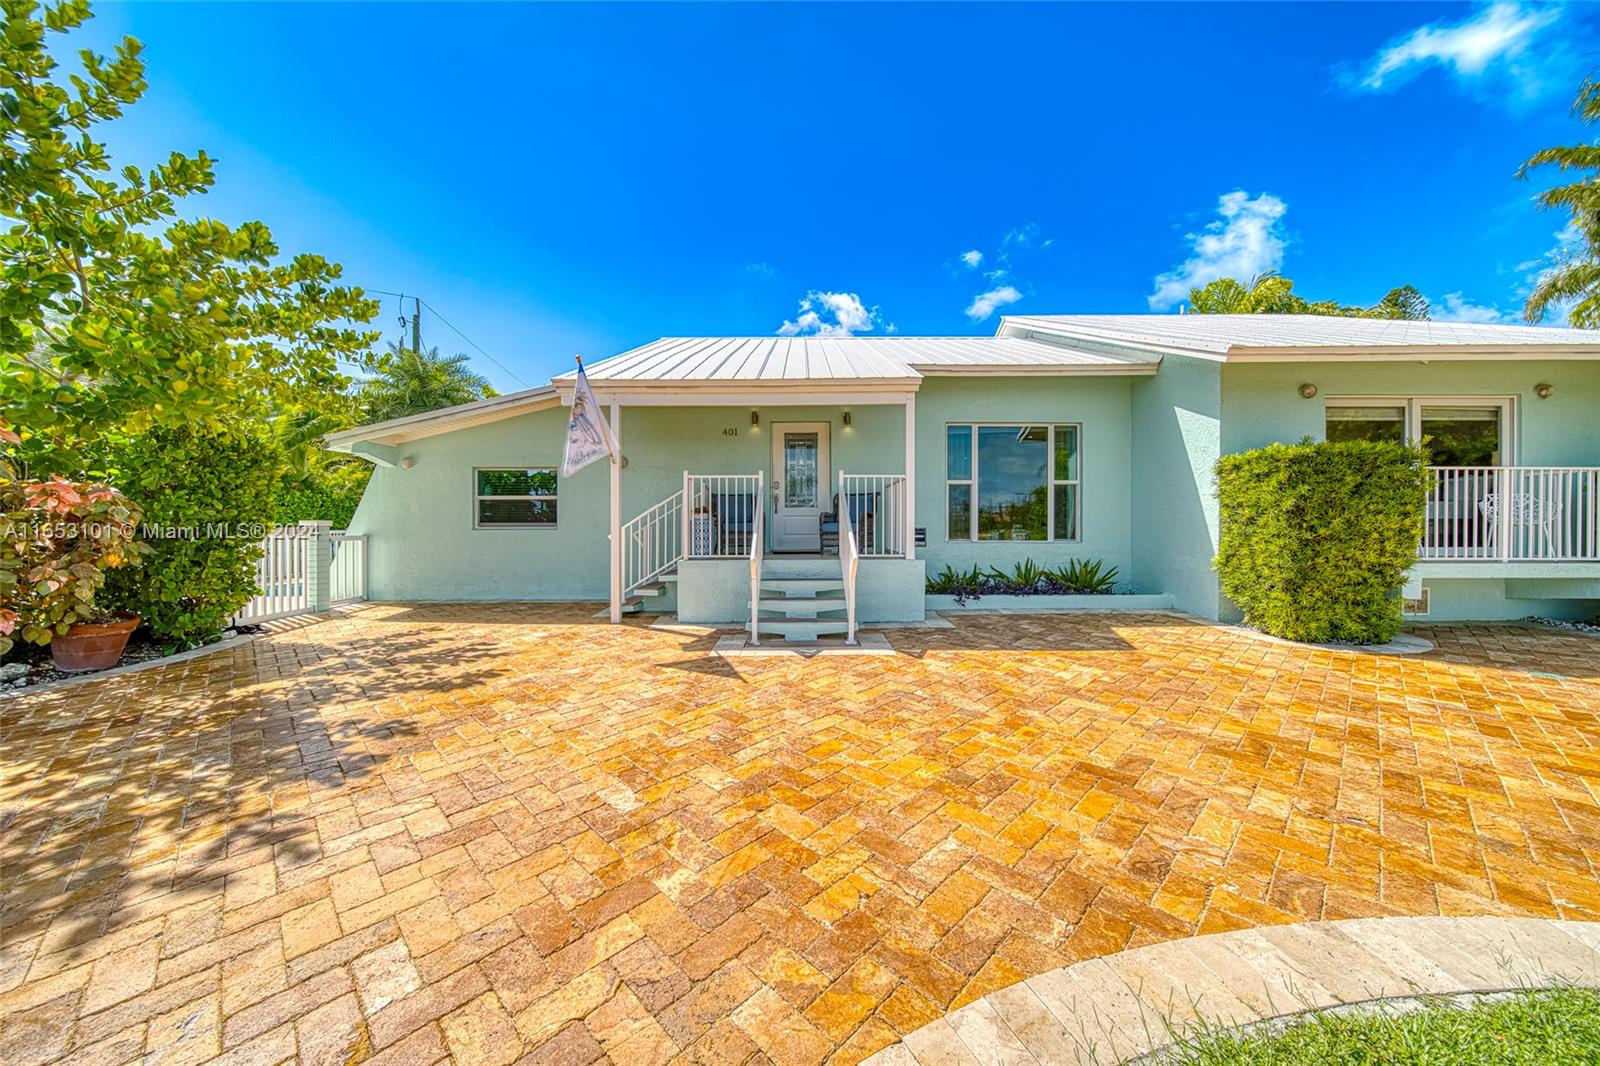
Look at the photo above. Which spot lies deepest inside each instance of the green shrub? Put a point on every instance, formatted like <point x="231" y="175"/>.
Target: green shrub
<point x="207" y="502"/>
<point x="331" y="495"/>
<point x="1316" y="538"/>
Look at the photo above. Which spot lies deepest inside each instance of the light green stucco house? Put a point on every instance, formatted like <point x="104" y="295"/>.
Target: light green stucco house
<point x="1059" y="437"/>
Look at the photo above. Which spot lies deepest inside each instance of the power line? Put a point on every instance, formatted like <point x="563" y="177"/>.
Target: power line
<point x="457" y="332"/>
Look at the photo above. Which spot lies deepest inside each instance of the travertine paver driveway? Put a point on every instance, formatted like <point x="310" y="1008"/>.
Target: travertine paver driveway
<point x="489" y="831"/>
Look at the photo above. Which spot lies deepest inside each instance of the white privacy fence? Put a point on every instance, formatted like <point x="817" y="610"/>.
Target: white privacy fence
<point x="877" y="512"/>
<point x="303" y="569"/>
<point x="1513" y="513"/>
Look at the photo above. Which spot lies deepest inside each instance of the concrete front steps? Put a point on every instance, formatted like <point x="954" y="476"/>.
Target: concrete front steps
<point x="800" y="600"/>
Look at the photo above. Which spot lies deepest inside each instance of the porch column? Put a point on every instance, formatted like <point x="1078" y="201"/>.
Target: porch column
<point x="911" y="476"/>
<point x="616" y="514"/>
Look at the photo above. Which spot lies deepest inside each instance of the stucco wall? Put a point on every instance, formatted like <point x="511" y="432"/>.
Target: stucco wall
<point x="1099" y="404"/>
<point x="1177" y="432"/>
<point x="424" y="547"/>
<point x="1261" y="404"/>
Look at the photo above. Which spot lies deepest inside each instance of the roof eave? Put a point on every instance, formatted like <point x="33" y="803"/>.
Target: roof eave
<point x="1411" y="353"/>
<point x="446" y="419"/>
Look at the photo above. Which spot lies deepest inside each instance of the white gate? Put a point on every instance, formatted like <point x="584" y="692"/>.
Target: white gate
<point x="283" y="574"/>
<point x="305" y="568"/>
<point x="347" y="569"/>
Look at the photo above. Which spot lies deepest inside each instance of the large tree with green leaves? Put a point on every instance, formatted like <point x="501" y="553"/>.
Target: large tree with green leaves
<point x="1270" y="293"/>
<point x="1575" y="279"/>
<point x="117" y="315"/>
<point x="410" y="382"/>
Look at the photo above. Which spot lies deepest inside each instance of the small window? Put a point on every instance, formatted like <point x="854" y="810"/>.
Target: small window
<point x="1379" y="423"/>
<point x="515" y="497"/>
<point x="1012" y="482"/>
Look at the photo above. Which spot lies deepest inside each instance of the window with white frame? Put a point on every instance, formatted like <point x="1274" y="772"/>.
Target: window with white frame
<point x="1458" y="430"/>
<point x="1012" y="481"/>
<point x="512" y="497"/>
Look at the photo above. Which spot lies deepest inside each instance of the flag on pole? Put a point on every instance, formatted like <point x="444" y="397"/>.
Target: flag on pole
<point x="588" y="436"/>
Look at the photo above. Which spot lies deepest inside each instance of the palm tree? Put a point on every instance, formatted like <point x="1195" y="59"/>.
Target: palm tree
<point x="411" y="382"/>
<point x="1576" y="276"/>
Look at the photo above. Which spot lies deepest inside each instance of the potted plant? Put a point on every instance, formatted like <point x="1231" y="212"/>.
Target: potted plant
<point x="57" y="540"/>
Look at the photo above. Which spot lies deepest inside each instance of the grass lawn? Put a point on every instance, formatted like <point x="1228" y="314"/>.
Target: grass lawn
<point x="1548" y="1027"/>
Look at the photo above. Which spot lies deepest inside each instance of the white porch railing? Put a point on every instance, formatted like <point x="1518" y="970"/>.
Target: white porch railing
<point x="347" y="568"/>
<point x="757" y="549"/>
<point x="1513" y="514"/>
<point x="283" y="574"/>
<point x="877" y="506"/>
<point x="652" y="543"/>
<point x="849" y="561"/>
<point x="720" y="513"/>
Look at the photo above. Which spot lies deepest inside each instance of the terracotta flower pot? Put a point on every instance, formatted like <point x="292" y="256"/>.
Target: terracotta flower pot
<point x="89" y="646"/>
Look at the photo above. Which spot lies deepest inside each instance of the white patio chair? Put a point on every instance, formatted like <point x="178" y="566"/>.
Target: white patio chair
<point x="1526" y="509"/>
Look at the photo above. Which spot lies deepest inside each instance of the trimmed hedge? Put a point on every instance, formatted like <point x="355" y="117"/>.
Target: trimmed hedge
<point x="1316" y="538"/>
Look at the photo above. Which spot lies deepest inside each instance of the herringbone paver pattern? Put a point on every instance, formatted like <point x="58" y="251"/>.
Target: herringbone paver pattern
<point x="502" y="832"/>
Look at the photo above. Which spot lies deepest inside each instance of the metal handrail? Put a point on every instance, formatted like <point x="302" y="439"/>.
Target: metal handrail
<point x="756" y="553"/>
<point x="652" y="542"/>
<point x="849" y="562"/>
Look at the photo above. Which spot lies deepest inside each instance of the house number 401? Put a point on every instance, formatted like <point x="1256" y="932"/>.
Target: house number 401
<point x="731" y="431"/>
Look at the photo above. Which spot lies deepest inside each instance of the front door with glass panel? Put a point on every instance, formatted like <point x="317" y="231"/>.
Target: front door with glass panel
<point x="800" y="483"/>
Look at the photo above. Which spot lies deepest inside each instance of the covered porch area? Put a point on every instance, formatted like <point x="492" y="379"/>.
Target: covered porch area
<point x="790" y="512"/>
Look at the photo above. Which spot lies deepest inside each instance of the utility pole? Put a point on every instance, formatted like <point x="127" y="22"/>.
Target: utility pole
<point x="416" y="325"/>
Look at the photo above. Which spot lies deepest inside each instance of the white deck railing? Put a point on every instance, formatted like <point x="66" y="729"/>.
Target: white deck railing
<point x="1513" y="514"/>
<point x="283" y="575"/>
<point x="849" y="562"/>
<point x="720" y="512"/>
<point x="347" y="568"/>
<point x="877" y="505"/>
<point x="652" y="543"/>
<point x="757" y="550"/>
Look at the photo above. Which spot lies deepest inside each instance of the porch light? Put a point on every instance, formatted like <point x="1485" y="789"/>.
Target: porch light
<point x="1540" y="390"/>
<point x="847" y="419"/>
<point x="755" y="417"/>
<point x="1308" y="391"/>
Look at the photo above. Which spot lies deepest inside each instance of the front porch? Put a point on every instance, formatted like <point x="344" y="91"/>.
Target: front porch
<point x="796" y="520"/>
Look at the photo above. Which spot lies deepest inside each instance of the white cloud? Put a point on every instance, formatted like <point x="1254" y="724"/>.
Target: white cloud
<point x="984" y="304"/>
<point x="1024" y="236"/>
<point x="1569" y="245"/>
<point x="1499" y="39"/>
<point x="1245" y="240"/>
<point x="760" y="270"/>
<point x="1455" y="307"/>
<point x="831" y="314"/>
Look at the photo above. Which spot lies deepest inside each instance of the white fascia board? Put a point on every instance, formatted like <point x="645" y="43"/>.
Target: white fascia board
<point x="1413" y="353"/>
<point x="445" y="420"/>
<point x="746" y="394"/>
<point x="1034" y="370"/>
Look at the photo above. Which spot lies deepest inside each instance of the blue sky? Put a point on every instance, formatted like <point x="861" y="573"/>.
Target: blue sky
<point x="583" y="178"/>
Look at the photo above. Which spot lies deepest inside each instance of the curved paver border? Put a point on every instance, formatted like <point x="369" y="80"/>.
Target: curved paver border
<point x="1130" y="1004"/>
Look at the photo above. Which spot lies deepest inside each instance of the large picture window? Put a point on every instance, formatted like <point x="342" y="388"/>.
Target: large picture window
<point x="1012" y="482"/>
<point x="514" y="497"/>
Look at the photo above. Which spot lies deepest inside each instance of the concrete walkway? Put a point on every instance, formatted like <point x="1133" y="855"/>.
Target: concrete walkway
<point x="1121" y="1006"/>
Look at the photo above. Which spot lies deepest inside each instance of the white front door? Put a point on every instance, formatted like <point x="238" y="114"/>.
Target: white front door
<point x="801" y="484"/>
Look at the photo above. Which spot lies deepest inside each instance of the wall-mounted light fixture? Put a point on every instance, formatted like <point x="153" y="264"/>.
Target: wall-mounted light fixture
<point x="847" y="419"/>
<point x="755" y="418"/>
<point x="1308" y="391"/>
<point x="1543" y="391"/>
<point x="406" y="462"/>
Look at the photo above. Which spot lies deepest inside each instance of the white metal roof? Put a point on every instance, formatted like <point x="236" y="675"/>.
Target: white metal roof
<point x="1246" y="337"/>
<point x="849" y="359"/>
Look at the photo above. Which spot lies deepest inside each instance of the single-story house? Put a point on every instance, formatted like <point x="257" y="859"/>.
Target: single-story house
<point x="765" y="469"/>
